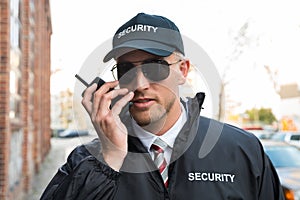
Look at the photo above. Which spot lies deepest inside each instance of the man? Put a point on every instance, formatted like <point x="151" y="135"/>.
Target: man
<point x="149" y="139"/>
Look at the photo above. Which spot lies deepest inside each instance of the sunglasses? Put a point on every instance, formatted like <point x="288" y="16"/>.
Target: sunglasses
<point x="154" y="70"/>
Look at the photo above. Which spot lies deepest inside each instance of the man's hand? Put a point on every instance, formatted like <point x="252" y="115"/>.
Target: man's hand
<point x="106" y="121"/>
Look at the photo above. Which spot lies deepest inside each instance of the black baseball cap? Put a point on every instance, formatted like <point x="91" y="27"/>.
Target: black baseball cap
<point x="151" y="33"/>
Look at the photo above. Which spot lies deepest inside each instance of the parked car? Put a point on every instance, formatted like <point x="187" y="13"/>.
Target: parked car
<point x="260" y="132"/>
<point x="68" y="133"/>
<point x="290" y="137"/>
<point x="56" y="132"/>
<point x="286" y="160"/>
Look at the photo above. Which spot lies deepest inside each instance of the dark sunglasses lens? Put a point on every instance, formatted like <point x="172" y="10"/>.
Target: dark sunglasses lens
<point x="156" y="71"/>
<point x="123" y="68"/>
<point x="153" y="70"/>
<point x="128" y="76"/>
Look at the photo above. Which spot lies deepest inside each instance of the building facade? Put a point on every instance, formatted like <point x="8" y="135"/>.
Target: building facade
<point x="25" y="32"/>
<point x="290" y="107"/>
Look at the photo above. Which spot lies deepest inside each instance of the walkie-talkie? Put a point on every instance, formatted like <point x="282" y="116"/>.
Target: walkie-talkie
<point x="97" y="80"/>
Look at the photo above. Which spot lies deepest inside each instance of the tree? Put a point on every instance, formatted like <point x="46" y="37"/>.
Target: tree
<point x="241" y="40"/>
<point x="263" y="115"/>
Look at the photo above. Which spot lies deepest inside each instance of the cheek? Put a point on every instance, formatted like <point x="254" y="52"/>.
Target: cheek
<point x="168" y="87"/>
<point x="166" y="94"/>
<point x="132" y="86"/>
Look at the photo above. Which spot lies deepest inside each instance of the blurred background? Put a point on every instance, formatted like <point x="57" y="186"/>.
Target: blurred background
<point x="44" y="43"/>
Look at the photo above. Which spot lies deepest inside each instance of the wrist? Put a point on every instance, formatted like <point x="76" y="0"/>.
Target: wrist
<point x="114" y="159"/>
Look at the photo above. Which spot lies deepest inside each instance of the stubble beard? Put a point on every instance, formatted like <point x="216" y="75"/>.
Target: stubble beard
<point x="153" y="119"/>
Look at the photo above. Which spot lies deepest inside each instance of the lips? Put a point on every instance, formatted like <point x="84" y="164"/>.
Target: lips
<point x="143" y="103"/>
<point x="141" y="100"/>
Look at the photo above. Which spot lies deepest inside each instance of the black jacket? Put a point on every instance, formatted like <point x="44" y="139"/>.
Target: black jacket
<point x="210" y="160"/>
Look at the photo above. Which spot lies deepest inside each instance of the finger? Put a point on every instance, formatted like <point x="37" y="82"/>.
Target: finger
<point x="108" y="86"/>
<point x="105" y="101"/>
<point x="120" y="104"/>
<point x="105" y="88"/>
<point x="86" y="100"/>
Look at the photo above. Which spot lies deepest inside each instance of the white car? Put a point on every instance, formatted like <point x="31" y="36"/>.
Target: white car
<point x="289" y="137"/>
<point x="69" y="133"/>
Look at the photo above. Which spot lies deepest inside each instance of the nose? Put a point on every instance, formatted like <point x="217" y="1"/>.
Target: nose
<point x="141" y="81"/>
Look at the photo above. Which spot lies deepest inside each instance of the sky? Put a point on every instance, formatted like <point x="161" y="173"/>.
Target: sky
<point x="272" y="39"/>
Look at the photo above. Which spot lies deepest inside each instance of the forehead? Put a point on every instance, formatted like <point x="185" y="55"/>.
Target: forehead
<point x="135" y="56"/>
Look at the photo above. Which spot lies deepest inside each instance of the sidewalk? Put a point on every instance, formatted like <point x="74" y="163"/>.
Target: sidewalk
<point x="60" y="149"/>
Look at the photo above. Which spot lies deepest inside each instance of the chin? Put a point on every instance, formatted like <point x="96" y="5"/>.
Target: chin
<point x="148" y="117"/>
<point x="141" y="119"/>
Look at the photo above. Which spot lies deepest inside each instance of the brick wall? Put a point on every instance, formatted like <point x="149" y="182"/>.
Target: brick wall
<point x="25" y="140"/>
<point x="4" y="94"/>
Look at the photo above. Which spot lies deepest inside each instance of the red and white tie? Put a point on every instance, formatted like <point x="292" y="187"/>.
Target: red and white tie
<point x="158" y="147"/>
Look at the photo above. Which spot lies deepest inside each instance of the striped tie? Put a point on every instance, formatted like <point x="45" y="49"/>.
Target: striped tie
<point x="158" y="147"/>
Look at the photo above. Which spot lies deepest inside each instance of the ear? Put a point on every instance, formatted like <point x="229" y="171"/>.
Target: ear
<point x="184" y="70"/>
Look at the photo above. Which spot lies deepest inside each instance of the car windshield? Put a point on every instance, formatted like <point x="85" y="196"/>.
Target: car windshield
<point x="284" y="156"/>
<point x="278" y="136"/>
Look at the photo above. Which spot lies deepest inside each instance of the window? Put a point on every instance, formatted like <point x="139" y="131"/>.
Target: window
<point x="15" y="56"/>
<point x="15" y="159"/>
<point x="14" y="24"/>
<point x="284" y="156"/>
<point x="295" y="137"/>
